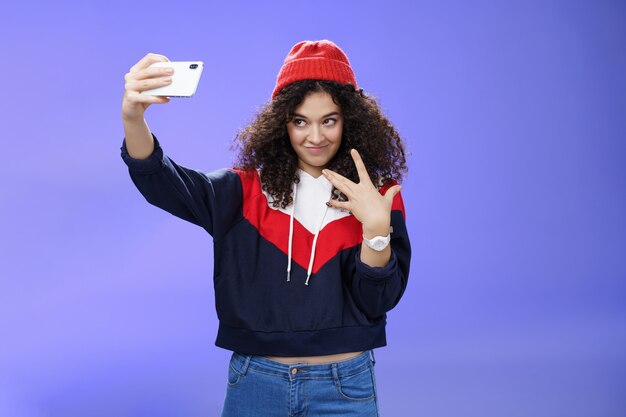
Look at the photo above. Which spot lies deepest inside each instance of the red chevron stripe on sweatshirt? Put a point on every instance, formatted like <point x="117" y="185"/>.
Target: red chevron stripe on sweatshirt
<point x="273" y="226"/>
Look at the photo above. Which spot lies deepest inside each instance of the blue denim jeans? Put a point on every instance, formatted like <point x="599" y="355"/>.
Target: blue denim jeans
<point x="261" y="387"/>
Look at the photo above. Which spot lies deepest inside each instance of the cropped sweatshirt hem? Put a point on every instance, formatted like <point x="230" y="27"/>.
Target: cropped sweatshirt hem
<point x="288" y="282"/>
<point x="302" y="343"/>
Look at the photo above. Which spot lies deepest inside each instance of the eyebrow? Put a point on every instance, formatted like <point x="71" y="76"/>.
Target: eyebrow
<point x="335" y="113"/>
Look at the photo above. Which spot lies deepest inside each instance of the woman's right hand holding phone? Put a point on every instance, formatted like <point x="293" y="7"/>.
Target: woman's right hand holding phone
<point x="142" y="77"/>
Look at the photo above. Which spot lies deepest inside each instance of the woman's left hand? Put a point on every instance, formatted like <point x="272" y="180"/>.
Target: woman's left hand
<point x="365" y="202"/>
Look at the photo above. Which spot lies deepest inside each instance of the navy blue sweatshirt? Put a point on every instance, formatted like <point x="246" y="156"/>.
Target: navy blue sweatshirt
<point x="342" y="307"/>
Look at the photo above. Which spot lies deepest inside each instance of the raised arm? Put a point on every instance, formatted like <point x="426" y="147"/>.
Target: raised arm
<point x="210" y="200"/>
<point x="140" y="77"/>
<point x="380" y="277"/>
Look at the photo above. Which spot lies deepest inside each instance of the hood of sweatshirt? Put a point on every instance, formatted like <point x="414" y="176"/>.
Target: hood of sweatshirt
<point x="310" y="210"/>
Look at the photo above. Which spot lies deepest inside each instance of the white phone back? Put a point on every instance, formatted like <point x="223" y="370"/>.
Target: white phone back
<point x="184" y="80"/>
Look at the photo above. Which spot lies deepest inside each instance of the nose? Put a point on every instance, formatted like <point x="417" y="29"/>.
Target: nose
<point x="315" y="135"/>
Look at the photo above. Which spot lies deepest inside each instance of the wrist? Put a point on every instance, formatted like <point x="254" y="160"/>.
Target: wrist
<point x="371" y="231"/>
<point x="132" y="113"/>
<point x="378" y="243"/>
<point x="132" y="118"/>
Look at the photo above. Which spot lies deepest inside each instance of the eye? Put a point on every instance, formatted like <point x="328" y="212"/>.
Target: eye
<point x="330" y="121"/>
<point x="298" y="122"/>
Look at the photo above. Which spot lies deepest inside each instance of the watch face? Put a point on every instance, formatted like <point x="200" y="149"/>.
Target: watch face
<point x="378" y="243"/>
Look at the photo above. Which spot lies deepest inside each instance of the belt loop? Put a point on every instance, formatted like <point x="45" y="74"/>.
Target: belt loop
<point x="335" y="374"/>
<point x="246" y="363"/>
<point x="373" y="357"/>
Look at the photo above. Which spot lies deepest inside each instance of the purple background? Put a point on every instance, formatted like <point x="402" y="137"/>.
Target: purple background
<point x="515" y="115"/>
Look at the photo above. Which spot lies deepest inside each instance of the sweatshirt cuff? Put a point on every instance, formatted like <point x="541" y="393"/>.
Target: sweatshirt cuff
<point x="144" y="166"/>
<point x="376" y="273"/>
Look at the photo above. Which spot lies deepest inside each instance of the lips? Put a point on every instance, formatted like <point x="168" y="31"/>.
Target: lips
<point x="315" y="150"/>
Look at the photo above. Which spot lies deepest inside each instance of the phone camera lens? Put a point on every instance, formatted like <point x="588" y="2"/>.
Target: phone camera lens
<point x="193" y="66"/>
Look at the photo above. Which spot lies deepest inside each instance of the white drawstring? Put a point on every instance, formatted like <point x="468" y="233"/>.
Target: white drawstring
<point x="290" y="246"/>
<point x="293" y="209"/>
<point x="308" y="274"/>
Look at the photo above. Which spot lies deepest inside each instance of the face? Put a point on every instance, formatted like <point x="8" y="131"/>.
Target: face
<point x="315" y="132"/>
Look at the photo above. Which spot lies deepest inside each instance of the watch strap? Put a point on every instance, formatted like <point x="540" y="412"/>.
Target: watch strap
<point x="377" y="243"/>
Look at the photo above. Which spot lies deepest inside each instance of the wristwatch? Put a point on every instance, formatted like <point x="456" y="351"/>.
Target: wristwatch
<point x="378" y="243"/>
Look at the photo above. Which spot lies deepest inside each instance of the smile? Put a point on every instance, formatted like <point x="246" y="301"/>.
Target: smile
<point x="316" y="149"/>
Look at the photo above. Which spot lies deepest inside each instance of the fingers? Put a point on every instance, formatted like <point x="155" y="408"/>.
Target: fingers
<point x="142" y="77"/>
<point x="360" y="166"/>
<point x="340" y="182"/>
<point x="134" y="88"/>
<point x="148" y="60"/>
<point x="137" y="97"/>
<point x="148" y="73"/>
<point x="344" y="205"/>
<point x="147" y="84"/>
<point x="137" y="78"/>
<point x="391" y="192"/>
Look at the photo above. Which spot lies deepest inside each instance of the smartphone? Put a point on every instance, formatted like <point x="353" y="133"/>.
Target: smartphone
<point x="184" y="80"/>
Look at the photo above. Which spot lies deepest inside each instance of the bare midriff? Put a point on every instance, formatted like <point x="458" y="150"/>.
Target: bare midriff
<point x="314" y="360"/>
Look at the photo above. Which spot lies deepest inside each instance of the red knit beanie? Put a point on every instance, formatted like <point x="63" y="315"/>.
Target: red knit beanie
<point x="315" y="60"/>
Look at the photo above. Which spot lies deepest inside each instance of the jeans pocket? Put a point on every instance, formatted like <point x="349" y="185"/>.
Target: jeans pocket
<point x="358" y="386"/>
<point x="234" y="376"/>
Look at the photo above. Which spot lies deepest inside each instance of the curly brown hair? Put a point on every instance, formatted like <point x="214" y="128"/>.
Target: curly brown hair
<point x="265" y="145"/>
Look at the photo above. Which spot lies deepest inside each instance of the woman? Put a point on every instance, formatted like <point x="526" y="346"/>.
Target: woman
<point x="310" y="244"/>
